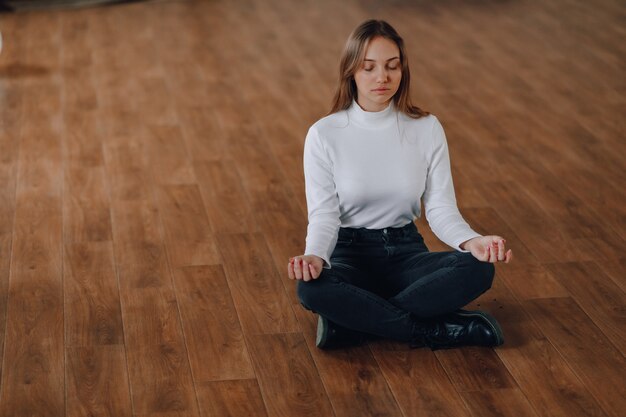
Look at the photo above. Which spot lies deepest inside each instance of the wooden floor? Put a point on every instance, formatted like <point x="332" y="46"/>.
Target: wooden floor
<point x="151" y="192"/>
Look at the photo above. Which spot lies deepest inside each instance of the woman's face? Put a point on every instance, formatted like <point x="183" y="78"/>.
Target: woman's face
<point x="379" y="75"/>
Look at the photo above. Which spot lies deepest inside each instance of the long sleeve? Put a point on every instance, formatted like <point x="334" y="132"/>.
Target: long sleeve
<point x="440" y="206"/>
<point x="322" y="199"/>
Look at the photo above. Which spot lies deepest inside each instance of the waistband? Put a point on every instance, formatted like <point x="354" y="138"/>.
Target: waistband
<point x="364" y="234"/>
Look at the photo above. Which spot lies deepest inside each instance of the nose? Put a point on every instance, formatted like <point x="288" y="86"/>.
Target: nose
<point x="382" y="76"/>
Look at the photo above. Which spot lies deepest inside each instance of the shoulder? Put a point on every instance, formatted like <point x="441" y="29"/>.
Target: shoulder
<point x="426" y="123"/>
<point x="326" y="125"/>
<point x="324" y="128"/>
<point x="428" y="127"/>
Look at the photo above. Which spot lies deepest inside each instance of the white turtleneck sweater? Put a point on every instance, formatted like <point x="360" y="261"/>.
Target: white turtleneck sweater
<point x="370" y="169"/>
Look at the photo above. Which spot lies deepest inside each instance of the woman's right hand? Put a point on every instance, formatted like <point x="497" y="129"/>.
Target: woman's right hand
<point x="305" y="267"/>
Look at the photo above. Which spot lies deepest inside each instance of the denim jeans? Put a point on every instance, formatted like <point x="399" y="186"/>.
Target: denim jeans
<point x="382" y="281"/>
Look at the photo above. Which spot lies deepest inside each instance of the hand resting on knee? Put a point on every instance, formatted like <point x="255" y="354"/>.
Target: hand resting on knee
<point x="305" y="267"/>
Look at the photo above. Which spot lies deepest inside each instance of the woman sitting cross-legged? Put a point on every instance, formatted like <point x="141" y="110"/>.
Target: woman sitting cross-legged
<point x="366" y="270"/>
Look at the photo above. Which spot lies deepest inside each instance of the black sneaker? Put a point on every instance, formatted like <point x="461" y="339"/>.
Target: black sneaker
<point x="331" y="335"/>
<point x="461" y="328"/>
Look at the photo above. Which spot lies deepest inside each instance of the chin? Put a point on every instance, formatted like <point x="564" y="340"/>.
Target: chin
<point x="381" y="99"/>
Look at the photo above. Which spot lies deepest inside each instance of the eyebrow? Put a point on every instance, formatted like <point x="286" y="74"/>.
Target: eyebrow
<point x="390" y="59"/>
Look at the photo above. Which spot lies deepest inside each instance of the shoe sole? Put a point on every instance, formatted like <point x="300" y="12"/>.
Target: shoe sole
<point x="322" y="334"/>
<point x="495" y="326"/>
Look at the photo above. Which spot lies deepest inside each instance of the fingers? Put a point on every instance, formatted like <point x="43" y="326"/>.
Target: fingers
<point x="487" y="254"/>
<point x="306" y="272"/>
<point x="496" y="251"/>
<point x="301" y="268"/>
<point x="493" y="252"/>
<point x="297" y="268"/>
<point x="290" y="269"/>
<point x="314" y="272"/>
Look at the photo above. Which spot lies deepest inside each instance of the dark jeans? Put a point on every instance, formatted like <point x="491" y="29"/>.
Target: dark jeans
<point x="382" y="281"/>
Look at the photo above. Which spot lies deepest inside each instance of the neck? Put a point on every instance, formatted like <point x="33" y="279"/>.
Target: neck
<point x="372" y="119"/>
<point x="373" y="106"/>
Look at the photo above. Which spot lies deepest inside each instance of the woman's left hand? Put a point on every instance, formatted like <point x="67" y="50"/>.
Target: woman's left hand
<point x="489" y="249"/>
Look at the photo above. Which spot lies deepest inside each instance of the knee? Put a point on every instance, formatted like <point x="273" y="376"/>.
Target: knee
<point x="303" y="292"/>
<point x="309" y="293"/>
<point x="317" y="294"/>
<point x="484" y="273"/>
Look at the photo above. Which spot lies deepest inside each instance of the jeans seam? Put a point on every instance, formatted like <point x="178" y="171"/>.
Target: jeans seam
<point x="426" y="284"/>
<point x="356" y="290"/>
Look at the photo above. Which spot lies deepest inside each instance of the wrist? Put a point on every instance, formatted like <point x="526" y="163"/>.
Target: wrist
<point x="467" y="244"/>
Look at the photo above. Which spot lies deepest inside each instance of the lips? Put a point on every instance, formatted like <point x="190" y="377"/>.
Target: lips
<point x="381" y="89"/>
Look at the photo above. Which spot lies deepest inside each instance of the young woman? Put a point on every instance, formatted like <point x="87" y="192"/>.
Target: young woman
<point x="366" y="270"/>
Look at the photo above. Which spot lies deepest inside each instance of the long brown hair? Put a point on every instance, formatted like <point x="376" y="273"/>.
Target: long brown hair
<point x="352" y="57"/>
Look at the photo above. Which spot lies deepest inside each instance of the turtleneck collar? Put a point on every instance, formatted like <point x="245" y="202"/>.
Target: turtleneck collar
<point x="372" y="119"/>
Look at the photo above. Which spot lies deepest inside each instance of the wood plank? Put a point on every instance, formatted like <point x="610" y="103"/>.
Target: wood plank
<point x="91" y="296"/>
<point x="33" y="374"/>
<point x="475" y="369"/>
<point x="9" y="153"/>
<point x="205" y="252"/>
<point x="33" y="362"/>
<point x="530" y="281"/>
<point x="241" y="133"/>
<point x="286" y="138"/>
<point x="150" y="90"/>
<point x="5" y="247"/>
<point x="355" y="368"/>
<point x="86" y="211"/>
<point x="122" y="119"/>
<point x="8" y="182"/>
<point x="214" y="340"/>
<point x="598" y="296"/>
<point x="259" y="297"/>
<point x="79" y="90"/>
<point x="589" y="352"/>
<point x="467" y="194"/>
<point x="146" y="268"/>
<point x="168" y="156"/>
<point x="284" y="245"/>
<point x="236" y="398"/>
<point x="524" y="276"/>
<point x="202" y="133"/>
<point x="529" y="224"/>
<point x="127" y="172"/>
<point x="505" y="402"/>
<point x="82" y="141"/>
<point x="544" y="376"/>
<point x="573" y="216"/>
<point x="292" y="385"/>
<point x="277" y="209"/>
<point x="183" y="82"/>
<point x="42" y="101"/>
<point x="75" y="37"/>
<point x="225" y="199"/>
<point x="607" y="198"/>
<point x="614" y="269"/>
<point x="134" y="221"/>
<point x="160" y="376"/>
<point x="97" y="381"/>
<point x="188" y="233"/>
<point x="182" y="213"/>
<point x="418" y="381"/>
